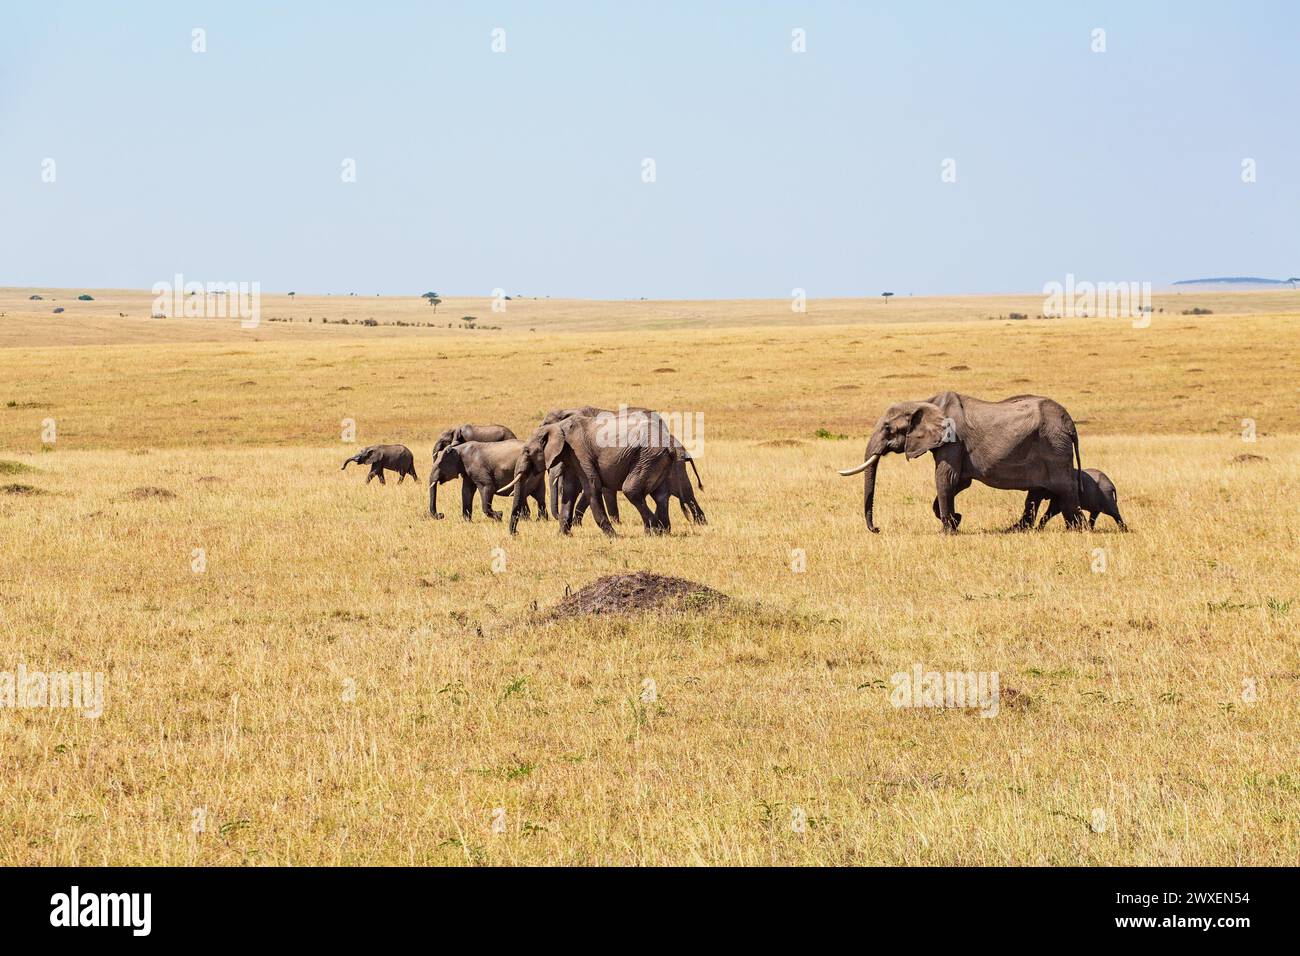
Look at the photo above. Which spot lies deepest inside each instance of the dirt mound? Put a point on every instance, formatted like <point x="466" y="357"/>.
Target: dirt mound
<point x="1011" y="697"/>
<point x="631" y="593"/>
<point x="144" y="494"/>
<point x="1247" y="459"/>
<point x="780" y="443"/>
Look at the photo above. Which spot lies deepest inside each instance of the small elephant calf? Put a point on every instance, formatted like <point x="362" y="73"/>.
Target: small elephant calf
<point x="1097" y="496"/>
<point x="396" y="458"/>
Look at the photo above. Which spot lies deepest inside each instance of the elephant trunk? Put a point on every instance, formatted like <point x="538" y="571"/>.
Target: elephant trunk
<point x="875" y="448"/>
<point x="520" y="482"/>
<point x="555" y="496"/>
<point x="433" y="494"/>
<point x="869" y="496"/>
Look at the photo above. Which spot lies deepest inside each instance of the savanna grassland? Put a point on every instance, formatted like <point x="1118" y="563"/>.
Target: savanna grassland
<point x="346" y="680"/>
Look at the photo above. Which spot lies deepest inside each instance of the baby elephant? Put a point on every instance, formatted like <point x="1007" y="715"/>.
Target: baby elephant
<point x="396" y="458"/>
<point x="1097" y="497"/>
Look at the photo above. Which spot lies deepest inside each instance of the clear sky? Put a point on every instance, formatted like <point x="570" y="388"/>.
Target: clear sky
<point x="524" y="169"/>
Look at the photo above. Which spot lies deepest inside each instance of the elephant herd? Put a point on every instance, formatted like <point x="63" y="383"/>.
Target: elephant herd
<point x="584" y="456"/>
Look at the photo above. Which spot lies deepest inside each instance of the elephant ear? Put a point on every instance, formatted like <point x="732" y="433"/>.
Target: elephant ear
<point x="458" y="435"/>
<point x="450" y="455"/>
<point x="372" y="456"/>
<point x="928" y="430"/>
<point x="553" y="445"/>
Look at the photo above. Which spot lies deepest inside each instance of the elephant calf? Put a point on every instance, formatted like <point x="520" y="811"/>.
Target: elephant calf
<point x="485" y="466"/>
<point x="1097" y="496"/>
<point x="396" y="458"/>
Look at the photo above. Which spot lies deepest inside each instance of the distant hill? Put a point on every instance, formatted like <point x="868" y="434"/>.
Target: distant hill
<point x="1239" y="282"/>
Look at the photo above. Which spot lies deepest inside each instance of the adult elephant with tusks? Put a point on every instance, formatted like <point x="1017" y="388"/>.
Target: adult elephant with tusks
<point x="591" y="463"/>
<point x="1022" y="443"/>
<point x="679" y="482"/>
<point x="485" y="467"/>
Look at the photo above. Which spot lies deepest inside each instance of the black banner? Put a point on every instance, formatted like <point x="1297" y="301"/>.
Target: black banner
<point x="337" y="905"/>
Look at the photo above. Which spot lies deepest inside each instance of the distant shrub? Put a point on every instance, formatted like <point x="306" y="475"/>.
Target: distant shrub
<point x="1197" y="312"/>
<point x="1018" y="316"/>
<point x="84" y="298"/>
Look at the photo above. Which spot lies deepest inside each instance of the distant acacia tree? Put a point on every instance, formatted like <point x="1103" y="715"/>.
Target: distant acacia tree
<point x="434" y="300"/>
<point x="291" y="295"/>
<point x="886" y="296"/>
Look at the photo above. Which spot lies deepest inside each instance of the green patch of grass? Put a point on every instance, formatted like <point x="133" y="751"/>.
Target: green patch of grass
<point x="15" y="468"/>
<point x="21" y="489"/>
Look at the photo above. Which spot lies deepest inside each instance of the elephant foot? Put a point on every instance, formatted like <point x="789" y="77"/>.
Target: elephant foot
<point x="439" y="516"/>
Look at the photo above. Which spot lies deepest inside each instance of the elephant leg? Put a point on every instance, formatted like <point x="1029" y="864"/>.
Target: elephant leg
<point x="946" y="485"/>
<point x="373" y="473"/>
<point x="663" y="499"/>
<point x="592" y="489"/>
<point x="467" y="498"/>
<point x="1053" y="509"/>
<point x="539" y="496"/>
<point x="554" y="482"/>
<point x="1092" y="519"/>
<point x="578" y="508"/>
<point x="485" y="493"/>
<point x="610" y="496"/>
<point x="1067" y="501"/>
<point x="1033" y="499"/>
<point x="1114" y="513"/>
<point x="648" y="518"/>
<point x="566" y="506"/>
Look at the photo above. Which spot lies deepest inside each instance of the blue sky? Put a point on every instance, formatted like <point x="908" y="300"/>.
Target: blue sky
<point x="523" y="170"/>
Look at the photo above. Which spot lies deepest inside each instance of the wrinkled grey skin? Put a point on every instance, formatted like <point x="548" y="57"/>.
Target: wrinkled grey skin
<point x="464" y="433"/>
<point x="1097" y="496"/>
<point x="485" y="467"/>
<point x="1022" y="443"/>
<point x="679" y="481"/>
<point x="396" y="458"/>
<point x="639" y="469"/>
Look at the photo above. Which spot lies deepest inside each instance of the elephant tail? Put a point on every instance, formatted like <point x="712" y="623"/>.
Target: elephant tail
<point x="697" y="473"/>
<point x="1078" y="468"/>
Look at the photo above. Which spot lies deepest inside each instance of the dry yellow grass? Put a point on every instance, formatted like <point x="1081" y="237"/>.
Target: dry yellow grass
<point x="230" y="690"/>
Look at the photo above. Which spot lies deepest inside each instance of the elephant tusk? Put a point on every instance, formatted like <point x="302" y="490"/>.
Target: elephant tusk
<point x="850" y="472"/>
<point x="506" y="489"/>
